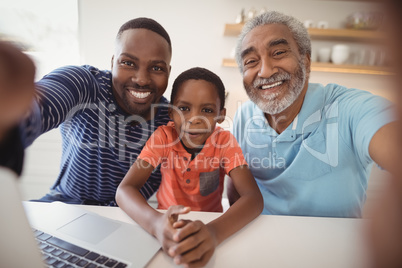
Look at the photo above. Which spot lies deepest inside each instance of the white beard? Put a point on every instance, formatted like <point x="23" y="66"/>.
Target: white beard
<point x="270" y="103"/>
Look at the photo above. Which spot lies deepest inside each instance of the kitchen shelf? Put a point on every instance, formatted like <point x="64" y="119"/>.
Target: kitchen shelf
<point x="229" y="62"/>
<point x="335" y="68"/>
<point x="234" y="29"/>
<point x="363" y="36"/>
<point x="347" y="35"/>
<point x="350" y="68"/>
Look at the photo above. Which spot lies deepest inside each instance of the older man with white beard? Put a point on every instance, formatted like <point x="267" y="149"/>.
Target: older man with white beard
<point x="310" y="147"/>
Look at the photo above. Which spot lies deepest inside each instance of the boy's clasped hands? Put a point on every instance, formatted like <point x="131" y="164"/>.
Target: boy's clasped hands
<point x="184" y="240"/>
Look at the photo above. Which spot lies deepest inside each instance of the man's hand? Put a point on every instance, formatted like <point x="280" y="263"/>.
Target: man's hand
<point x="17" y="74"/>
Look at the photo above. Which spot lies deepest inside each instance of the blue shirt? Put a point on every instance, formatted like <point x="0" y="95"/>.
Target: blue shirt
<point x="99" y="141"/>
<point x="318" y="166"/>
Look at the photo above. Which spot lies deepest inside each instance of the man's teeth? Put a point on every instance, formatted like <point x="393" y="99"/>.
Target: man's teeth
<point x="140" y="95"/>
<point x="272" y="85"/>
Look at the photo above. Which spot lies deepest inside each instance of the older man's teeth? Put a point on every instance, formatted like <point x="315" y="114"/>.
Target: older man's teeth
<point x="140" y="95"/>
<point x="272" y="85"/>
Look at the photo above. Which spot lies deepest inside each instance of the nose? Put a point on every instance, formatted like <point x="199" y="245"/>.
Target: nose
<point x="267" y="68"/>
<point x="194" y="118"/>
<point x="141" y="77"/>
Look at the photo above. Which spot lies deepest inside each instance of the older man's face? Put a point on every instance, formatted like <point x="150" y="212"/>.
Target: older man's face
<point x="274" y="72"/>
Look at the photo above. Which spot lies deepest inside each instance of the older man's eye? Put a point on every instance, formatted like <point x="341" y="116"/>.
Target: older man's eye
<point x="248" y="62"/>
<point x="279" y="53"/>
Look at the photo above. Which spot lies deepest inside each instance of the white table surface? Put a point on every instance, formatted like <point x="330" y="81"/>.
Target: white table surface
<point x="275" y="241"/>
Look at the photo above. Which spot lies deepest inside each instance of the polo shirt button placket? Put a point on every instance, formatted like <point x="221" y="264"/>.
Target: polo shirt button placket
<point x="188" y="180"/>
<point x="274" y="142"/>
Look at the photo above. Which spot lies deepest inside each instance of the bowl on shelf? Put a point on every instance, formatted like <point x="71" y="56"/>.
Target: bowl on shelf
<point x="364" y="20"/>
<point x="340" y="54"/>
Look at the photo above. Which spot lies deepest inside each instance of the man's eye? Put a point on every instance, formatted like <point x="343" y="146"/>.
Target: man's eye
<point x="157" y="68"/>
<point x="278" y="53"/>
<point x="249" y="62"/>
<point x="128" y="63"/>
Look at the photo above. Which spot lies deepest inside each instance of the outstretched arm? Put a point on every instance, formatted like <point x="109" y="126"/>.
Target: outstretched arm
<point x="384" y="147"/>
<point x="59" y="95"/>
<point x="129" y="199"/>
<point x="198" y="241"/>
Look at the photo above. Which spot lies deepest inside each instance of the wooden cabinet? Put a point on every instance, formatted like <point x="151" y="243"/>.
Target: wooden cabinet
<point x="363" y="36"/>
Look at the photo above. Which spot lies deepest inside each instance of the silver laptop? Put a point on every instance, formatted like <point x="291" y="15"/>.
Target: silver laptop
<point x="66" y="234"/>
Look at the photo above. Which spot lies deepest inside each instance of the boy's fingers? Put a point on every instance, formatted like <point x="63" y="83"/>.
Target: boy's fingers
<point x="195" y="258"/>
<point x="190" y="228"/>
<point x="180" y="223"/>
<point x="174" y="211"/>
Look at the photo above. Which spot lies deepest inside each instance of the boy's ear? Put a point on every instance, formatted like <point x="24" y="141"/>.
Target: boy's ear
<point x="221" y="116"/>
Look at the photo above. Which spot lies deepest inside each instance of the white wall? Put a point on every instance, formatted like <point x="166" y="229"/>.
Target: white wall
<point x="47" y="28"/>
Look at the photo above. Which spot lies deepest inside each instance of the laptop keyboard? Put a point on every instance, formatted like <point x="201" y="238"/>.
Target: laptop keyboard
<point x="62" y="254"/>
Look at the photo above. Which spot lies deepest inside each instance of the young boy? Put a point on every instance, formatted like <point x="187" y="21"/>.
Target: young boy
<point x="194" y="156"/>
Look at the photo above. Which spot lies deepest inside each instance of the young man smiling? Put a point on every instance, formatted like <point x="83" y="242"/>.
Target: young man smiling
<point x="325" y="138"/>
<point x="105" y="117"/>
<point x="139" y="50"/>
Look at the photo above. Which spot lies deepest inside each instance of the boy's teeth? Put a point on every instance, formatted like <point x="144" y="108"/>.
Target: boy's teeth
<point x="273" y="85"/>
<point x="140" y="95"/>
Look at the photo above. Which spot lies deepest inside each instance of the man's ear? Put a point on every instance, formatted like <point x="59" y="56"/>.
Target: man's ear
<point x="111" y="63"/>
<point x="221" y="116"/>
<point x="170" y="111"/>
<point x="307" y="62"/>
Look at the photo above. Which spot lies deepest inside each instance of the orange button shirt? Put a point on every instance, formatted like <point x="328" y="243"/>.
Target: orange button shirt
<point x="196" y="183"/>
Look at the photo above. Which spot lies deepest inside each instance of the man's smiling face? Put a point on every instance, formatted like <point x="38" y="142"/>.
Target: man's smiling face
<point x="140" y="70"/>
<point x="274" y="72"/>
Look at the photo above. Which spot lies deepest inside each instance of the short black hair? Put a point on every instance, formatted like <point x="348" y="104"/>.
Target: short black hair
<point x="198" y="73"/>
<point x="145" y="23"/>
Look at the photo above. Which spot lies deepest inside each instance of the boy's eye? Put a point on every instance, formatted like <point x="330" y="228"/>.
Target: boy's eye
<point x="184" y="108"/>
<point x="207" y="110"/>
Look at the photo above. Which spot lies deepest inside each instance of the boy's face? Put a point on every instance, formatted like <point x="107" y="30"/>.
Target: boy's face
<point x="196" y="111"/>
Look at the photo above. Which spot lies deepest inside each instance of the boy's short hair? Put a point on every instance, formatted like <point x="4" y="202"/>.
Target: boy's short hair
<point x="198" y="73"/>
<point x="145" y="23"/>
